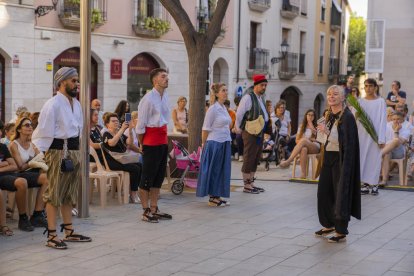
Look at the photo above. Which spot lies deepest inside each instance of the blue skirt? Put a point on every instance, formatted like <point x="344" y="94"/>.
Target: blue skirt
<point x="215" y="170"/>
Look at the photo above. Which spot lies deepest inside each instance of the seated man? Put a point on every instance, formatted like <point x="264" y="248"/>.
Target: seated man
<point x="9" y="181"/>
<point x="396" y="137"/>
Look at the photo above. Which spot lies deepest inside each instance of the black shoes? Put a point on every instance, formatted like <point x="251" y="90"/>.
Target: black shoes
<point x="324" y="232"/>
<point x="148" y="216"/>
<point x="161" y="216"/>
<point x="25" y="225"/>
<point x="364" y="189"/>
<point x="337" y="239"/>
<point x="38" y="221"/>
<point x="374" y="190"/>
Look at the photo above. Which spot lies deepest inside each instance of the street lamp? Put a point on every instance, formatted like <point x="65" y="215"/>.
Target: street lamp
<point x="284" y="47"/>
<point x="43" y="10"/>
<point x="349" y="68"/>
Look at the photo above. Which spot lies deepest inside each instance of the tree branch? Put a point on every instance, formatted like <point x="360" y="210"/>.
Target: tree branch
<point x="214" y="27"/>
<point x="182" y="20"/>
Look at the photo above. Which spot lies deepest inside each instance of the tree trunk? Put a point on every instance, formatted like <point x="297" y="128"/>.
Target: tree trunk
<point x="198" y="65"/>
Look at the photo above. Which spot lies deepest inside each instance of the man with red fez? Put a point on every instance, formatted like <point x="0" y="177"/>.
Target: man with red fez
<point x="252" y="121"/>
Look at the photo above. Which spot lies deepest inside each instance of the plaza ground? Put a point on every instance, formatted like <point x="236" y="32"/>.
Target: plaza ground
<point x="266" y="234"/>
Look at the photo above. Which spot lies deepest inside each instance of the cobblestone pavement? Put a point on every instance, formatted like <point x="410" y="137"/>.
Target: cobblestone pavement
<point x="266" y="234"/>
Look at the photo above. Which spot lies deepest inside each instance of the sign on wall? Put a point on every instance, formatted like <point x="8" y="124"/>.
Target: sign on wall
<point x="116" y="68"/>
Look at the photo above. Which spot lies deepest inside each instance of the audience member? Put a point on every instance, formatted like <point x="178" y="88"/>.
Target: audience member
<point x="22" y="151"/>
<point x="396" y="95"/>
<point x="180" y="116"/>
<point x="121" y="109"/>
<point x="305" y="142"/>
<point x="349" y="85"/>
<point x="34" y="117"/>
<point x="95" y="136"/>
<point x="114" y="140"/>
<point x="285" y="126"/>
<point x="96" y="104"/>
<point x="9" y="131"/>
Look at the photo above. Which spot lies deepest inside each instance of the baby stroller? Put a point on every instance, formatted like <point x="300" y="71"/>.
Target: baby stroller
<point x="186" y="162"/>
<point x="268" y="153"/>
<point x="280" y="146"/>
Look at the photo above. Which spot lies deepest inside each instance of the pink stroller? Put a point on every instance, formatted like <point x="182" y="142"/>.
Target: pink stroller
<point x="187" y="162"/>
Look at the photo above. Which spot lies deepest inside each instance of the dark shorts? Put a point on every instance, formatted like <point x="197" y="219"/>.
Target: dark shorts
<point x="153" y="167"/>
<point x="7" y="181"/>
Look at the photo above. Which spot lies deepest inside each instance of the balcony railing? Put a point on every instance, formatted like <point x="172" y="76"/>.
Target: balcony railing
<point x="289" y="11"/>
<point x="258" y="62"/>
<point x="153" y="23"/>
<point x="333" y="67"/>
<point x="288" y="67"/>
<point x="302" y="59"/>
<point x="259" y="5"/>
<point x="69" y="14"/>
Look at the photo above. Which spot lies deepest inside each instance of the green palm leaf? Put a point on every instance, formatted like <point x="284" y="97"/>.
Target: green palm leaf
<point x="363" y="118"/>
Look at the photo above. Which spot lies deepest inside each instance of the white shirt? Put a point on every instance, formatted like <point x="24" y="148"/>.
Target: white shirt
<point x="25" y="154"/>
<point x="217" y="123"/>
<point x="274" y="119"/>
<point x="404" y="133"/>
<point x="153" y="111"/>
<point x="245" y="105"/>
<point x="58" y="120"/>
<point x="284" y="125"/>
<point x="134" y="136"/>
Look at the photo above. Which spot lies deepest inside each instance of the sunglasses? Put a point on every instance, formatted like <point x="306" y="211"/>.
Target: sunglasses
<point x="27" y="125"/>
<point x="75" y="80"/>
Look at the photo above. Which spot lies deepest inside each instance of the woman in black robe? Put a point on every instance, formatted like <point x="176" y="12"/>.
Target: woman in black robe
<point x="339" y="183"/>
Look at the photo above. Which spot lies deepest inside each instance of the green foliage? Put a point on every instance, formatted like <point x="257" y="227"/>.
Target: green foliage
<point x="363" y="118"/>
<point x="356" y="48"/>
<point x="156" y="25"/>
<point x="74" y="2"/>
<point x="96" y="17"/>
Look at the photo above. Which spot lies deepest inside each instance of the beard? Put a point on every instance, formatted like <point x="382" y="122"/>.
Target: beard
<point x="71" y="92"/>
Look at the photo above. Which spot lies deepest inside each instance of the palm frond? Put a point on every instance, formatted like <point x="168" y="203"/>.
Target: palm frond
<point x="363" y="118"/>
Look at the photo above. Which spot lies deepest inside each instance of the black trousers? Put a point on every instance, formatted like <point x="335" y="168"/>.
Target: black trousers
<point x="327" y="187"/>
<point x="154" y="159"/>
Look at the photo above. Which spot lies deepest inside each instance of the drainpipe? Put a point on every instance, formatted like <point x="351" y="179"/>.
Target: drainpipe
<point x="238" y="44"/>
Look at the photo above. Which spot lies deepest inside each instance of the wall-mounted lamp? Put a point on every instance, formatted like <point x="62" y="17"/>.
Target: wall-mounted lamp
<point x="43" y="10"/>
<point x="117" y="42"/>
<point x="284" y="47"/>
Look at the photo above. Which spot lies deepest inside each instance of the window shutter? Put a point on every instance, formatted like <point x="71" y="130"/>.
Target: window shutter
<point x="374" y="58"/>
<point x="323" y="3"/>
<point x="295" y="3"/>
<point x="304" y="7"/>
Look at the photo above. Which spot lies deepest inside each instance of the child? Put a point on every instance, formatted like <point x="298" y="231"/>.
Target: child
<point x="268" y="142"/>
<point x="9" y="133"/>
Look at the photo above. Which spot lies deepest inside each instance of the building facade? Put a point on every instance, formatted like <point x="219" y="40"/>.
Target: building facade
<point x="129" y="39"/>
<point x="389" y="44"/>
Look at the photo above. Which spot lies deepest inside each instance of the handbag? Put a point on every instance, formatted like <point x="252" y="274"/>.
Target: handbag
<point x="126" y="157"/>
<point x="255" y="127"/>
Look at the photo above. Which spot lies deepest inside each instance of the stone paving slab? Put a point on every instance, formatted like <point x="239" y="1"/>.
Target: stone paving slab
<point x="266" y="234"/>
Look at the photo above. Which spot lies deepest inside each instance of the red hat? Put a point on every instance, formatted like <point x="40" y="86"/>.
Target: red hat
<point x="259" y="79"/>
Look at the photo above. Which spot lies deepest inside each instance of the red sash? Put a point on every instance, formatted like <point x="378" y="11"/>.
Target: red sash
<point x="155" y="136"/>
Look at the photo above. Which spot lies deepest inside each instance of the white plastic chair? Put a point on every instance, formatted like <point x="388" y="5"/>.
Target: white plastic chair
<point x="103" y="176"/>
<point x="313" y="158"/>
<point x="124" y="180"/>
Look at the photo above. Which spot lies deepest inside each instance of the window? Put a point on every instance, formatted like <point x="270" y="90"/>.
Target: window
<point x="304" y="7"/>
<point x="148" y="8"/>
<point x="323" y="10"/>
<point x="302" y="52"/>
<point x="321" y="53"/>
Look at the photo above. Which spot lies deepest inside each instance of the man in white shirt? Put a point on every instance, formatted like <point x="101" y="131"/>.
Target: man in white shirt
<point x="396" y="136"/>
<point x="250" y="109"/>
<point x="57" y="134"/>
<point x="153" y="114"/>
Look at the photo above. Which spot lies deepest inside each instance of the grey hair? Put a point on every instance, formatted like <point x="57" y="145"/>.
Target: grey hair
<point x="338" y="88"/>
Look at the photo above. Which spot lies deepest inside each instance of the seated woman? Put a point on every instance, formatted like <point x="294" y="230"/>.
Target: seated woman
<point x="22" y="151"/>
<point x="4" y="229"/>
<point x="114" y="140"/>
<point x="283" y="122"/>
<point x="179" y="116"/>
<point x="305" y="142"/>
<point x="95" y="137"/>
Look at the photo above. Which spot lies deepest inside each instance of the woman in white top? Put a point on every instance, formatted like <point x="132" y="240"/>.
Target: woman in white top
<point x="23" y="150"/>
<point x="305" y="142"/>
<point x="215" y="168"/>
<point x="180" y="116"/>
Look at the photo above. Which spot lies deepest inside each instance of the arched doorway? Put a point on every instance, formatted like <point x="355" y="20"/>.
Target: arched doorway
<point x="2" y="87"/>
<point x="221" y="71"/>
<point x="291" y="96"/>
<point x="318" y="104"/>
<point x="71" y="58"/>
<point x="138" y="77"/>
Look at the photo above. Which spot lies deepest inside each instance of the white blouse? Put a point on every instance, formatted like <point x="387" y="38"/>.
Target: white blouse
<point x="25" y="154"/>
<point x="153" y="111"/>
<point x="57" y="120"/>
<point x="217" y="123"/>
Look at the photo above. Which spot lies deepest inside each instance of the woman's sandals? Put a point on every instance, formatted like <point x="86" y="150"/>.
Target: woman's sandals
<point x="215" y="201"/>
<point x="53" y="241"/>
<point x="71" y="237"/>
